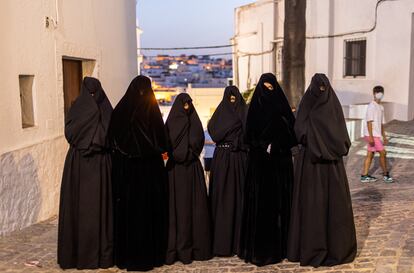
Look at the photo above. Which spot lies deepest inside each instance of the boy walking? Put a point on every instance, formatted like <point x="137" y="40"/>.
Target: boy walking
<point x="374" y="130"/>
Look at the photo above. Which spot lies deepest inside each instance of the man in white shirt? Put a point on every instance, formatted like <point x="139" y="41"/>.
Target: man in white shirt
<point x="374" y="130"/>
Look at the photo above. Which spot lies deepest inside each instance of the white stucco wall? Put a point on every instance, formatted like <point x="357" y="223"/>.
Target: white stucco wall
<point x="388" y="50"/>
<point x="31" y="159"/>
<point x="256" y="27"/>
<point x="205" y="101"/>
<point x="390" y="54"/>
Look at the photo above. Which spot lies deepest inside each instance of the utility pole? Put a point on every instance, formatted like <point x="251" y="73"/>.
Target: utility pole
<point x="294" y="44"/>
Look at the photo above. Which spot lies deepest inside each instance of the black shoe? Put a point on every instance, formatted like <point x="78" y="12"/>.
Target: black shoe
<point x="368" y="178"/>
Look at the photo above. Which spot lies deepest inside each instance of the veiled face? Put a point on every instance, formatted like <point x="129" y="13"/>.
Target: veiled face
<point x="269" y="86"/>
<point x="320" y="85"/>
<point x="93" y="92"/>
<point x="232" y="98"/>
<point x="186" y="106"/>
<point x="92" y="85"/>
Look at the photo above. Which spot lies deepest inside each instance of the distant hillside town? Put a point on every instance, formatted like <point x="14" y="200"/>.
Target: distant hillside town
<point x="174" y="74"/>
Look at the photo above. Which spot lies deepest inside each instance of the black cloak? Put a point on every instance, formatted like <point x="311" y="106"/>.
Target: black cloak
<point x="85" y="234"/>
<point x="189" y="227"/>
<point x="269" y="180"/>
<point x="227" y="128"/>
<point x="140" y="183"/>
<point x="322" y="230"/>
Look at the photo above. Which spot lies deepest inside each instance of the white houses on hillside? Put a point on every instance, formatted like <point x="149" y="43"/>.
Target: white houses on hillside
<point x="358" y="44"/>
<point x="46" y="48"/>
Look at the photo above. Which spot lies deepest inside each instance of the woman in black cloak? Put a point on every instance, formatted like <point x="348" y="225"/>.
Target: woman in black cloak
<point x="322" y="230"/>
<point x="138" y="137"/>
<point x="269" y="180"/>
<point x="85" y="216"/>
<point x="227" y="128"/>
<point x="189" y="228"/>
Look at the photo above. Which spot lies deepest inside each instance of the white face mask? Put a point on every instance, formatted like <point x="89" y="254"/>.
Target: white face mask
<point x="379" y="96"/>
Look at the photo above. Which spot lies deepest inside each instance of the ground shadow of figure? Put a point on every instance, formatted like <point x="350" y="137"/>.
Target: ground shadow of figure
<point x="365" y="197"/>
<point x="20" y="193"/>
<point x="376" y="167"/>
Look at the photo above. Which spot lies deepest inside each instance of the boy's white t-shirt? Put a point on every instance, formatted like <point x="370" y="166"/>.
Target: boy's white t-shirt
<point x="375" y="113"/>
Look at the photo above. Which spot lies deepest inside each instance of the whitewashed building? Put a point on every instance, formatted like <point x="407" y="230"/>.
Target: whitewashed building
<point x="257" y="49"/>
<point x="358" y="44"/>
<point x="205" y="101"/>
<point x="46" y="48"/>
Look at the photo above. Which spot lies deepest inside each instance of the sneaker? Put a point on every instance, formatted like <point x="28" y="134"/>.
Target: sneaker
<point x="368" y="178"/>
<point x="388" y="179"/>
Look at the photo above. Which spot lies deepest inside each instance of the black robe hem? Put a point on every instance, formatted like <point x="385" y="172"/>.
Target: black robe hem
<point x="102" y="265"/>
<point x="143" y="268"/>
<point x="263" y="262"/>
<point x="173" y="258"/>
<point x="326" y="263"/>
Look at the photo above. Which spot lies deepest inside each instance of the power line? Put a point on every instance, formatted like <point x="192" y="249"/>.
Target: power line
<point x="183" y="48"/>
<point x="354" y="32"/>
<point x="379" y="2"/>
<point x="278" y="38"/>
<point x="244" y="54"/>
<point x="199" y="55"/>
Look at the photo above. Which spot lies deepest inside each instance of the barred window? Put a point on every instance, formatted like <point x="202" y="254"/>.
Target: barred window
<point x="355" y="58"/>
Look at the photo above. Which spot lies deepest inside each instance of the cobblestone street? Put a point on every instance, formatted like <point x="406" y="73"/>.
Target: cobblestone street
<point x="384" y="217"/>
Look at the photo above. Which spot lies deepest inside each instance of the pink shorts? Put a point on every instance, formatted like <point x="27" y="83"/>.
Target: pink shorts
<point x="377" y="147"/>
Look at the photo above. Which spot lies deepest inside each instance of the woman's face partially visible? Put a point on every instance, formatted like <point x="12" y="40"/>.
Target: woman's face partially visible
<point x="232" y="99"/>
<point x="186" y="106"/>
<point x="269" y="86"/>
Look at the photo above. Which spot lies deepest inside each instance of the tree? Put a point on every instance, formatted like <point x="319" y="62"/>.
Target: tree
<point x="294" y="44"/>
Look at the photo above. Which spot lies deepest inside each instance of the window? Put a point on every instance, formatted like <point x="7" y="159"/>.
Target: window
<point x="26" y="100"/>
<point x="355" y="58"/>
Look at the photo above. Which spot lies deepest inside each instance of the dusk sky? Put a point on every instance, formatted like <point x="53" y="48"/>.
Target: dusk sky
<point x="183" y="23"/>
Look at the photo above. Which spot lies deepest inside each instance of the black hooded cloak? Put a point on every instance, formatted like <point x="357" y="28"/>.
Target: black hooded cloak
<point x="189" y="226"/>
<point x="227" y="128"/>
<point x="138" y="137"/>
<point x="322" y="230"/>
<point x="269" y="180"/>
<point x="85" y="238"/>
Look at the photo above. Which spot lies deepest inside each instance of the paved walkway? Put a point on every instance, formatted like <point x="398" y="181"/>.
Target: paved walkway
<point x="384" y="216"/>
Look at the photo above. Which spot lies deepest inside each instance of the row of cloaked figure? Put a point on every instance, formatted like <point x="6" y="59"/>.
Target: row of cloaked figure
<point x="121" y="206"/>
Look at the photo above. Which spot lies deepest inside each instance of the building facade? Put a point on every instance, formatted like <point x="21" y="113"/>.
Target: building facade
<point x="257" y="48"/>
<point x="47" y="48"/>
<point x="358" y="44"/>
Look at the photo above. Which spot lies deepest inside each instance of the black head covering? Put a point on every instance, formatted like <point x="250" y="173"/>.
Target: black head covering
<point x="185" y="130"/>
<point x="137" y="128"/>
<point x="320" y="123"/>
<point x="88" y="119"/>
<point x="228" y="123"/>
<point x="270" y="116"/>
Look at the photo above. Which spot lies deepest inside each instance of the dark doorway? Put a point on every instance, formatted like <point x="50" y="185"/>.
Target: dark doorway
<point x="72" y="80"/>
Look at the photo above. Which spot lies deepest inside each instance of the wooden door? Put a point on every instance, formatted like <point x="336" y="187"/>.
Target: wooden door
<point x="72" y="80"/>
